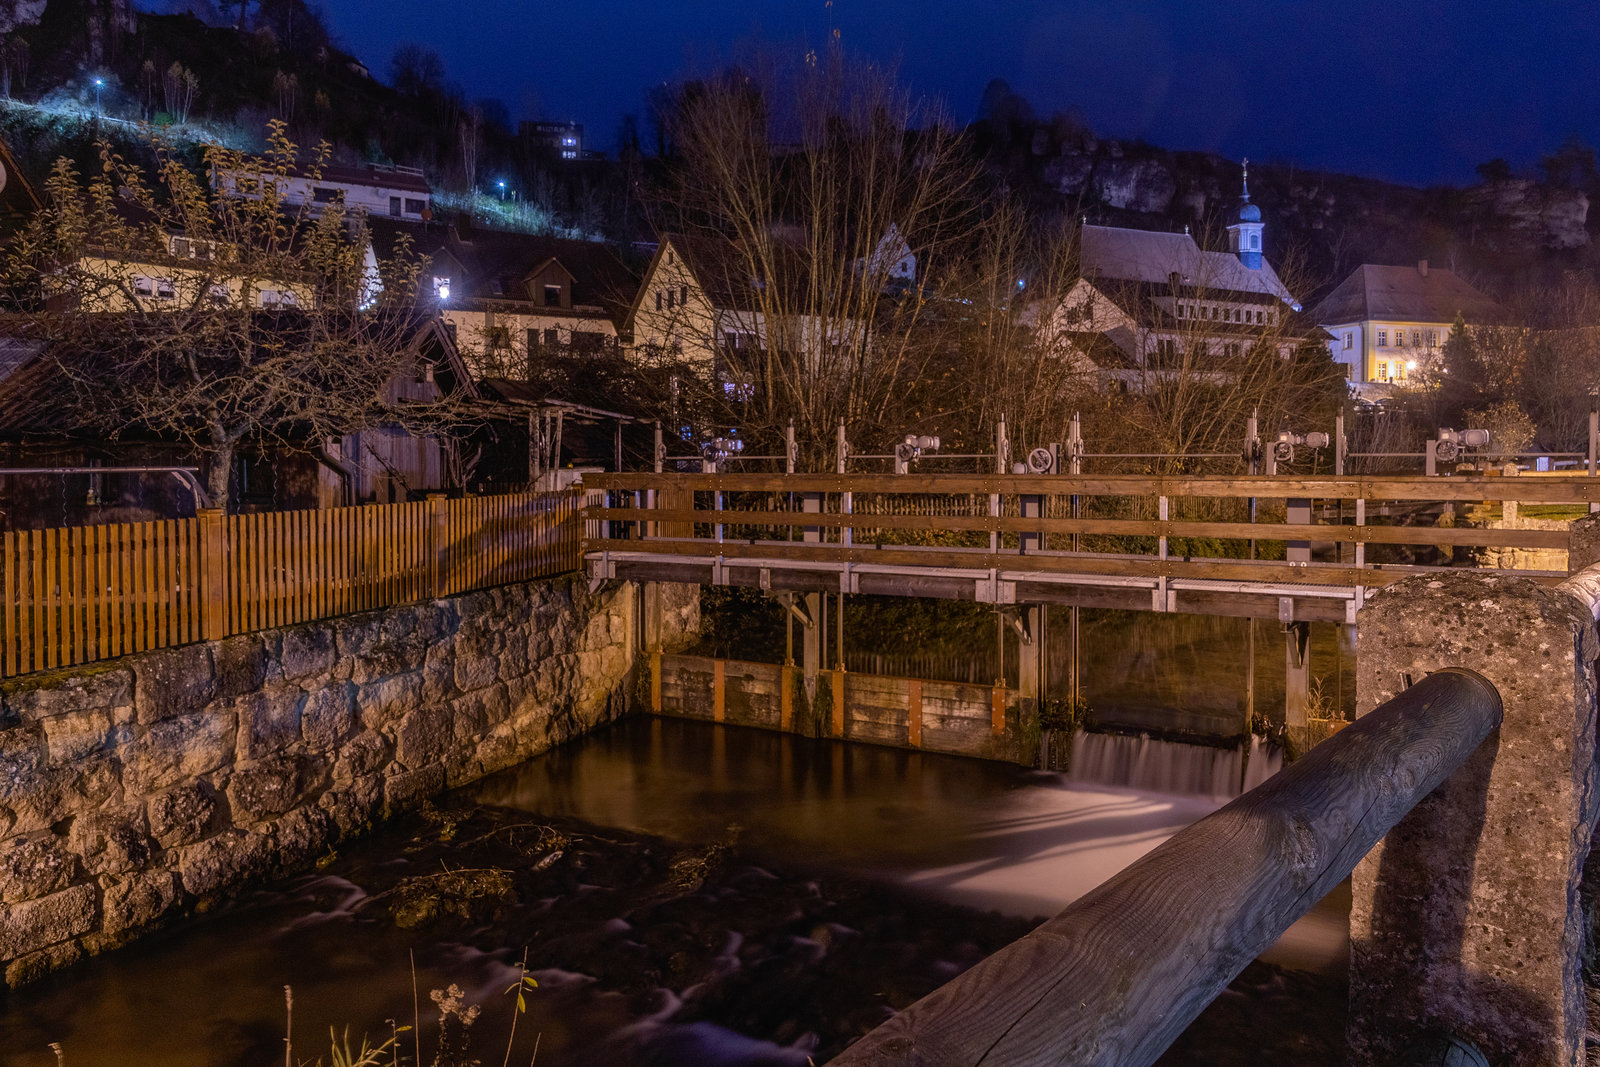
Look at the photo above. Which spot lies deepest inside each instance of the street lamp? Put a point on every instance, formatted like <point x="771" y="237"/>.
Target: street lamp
<point x="502" y="186"/>
<point x="99" y="83"/>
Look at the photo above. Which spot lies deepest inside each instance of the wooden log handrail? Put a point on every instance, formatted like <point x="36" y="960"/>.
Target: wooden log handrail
<point x="1576" y="489"/>
<point x="1112" y="980"/>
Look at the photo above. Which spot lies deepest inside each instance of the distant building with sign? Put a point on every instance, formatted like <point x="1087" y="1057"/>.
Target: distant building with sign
<point x="563" y="139"/>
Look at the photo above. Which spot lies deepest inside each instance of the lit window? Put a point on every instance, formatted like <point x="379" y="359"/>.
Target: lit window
<point x="1383" y="338"/>
<point x="143" y="286"/>
<point x="1383" y="371"/>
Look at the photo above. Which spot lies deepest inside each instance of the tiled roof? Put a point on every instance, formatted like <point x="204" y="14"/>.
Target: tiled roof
<point x="1151" y="257"/>
<point x="1410" y="294"/>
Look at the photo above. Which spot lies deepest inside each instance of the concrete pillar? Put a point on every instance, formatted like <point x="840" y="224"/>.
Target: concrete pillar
<point x="1583" y="543"/>
<point x="1466" y="918"/>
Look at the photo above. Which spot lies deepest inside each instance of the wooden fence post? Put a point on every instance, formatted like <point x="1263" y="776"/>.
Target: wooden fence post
<point x="213" y="573"/>
<point x="438" y="540"/>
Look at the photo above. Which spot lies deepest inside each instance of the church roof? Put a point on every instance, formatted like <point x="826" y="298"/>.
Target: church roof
<point x="1411" y="294"/>
<point x="1151" y="257"/>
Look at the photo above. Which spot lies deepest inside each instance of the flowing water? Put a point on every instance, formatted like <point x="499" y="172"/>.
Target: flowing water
<point x="965" y="832"/>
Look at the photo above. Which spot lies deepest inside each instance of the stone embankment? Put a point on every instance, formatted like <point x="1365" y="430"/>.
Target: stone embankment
<point x="134" y="789"/>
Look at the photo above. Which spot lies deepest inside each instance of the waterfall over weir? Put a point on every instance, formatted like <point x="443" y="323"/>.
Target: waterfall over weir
<point x="1158" y="766"/>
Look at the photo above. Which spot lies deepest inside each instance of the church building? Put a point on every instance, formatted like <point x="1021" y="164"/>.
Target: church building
<point x="1150" y="304"/>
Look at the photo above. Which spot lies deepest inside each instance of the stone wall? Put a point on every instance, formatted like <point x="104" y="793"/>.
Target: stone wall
<point x="134" y="789"/>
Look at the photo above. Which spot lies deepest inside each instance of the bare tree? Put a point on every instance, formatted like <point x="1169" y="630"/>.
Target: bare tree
<point x="807" y="177"/>
<point x="179" y="86"/>
<point x="218" y="320"/>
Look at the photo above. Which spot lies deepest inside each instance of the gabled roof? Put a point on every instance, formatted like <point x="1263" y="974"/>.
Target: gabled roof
<point x="1411" y="294"/>
<point x="497" y="265"/>
<point x="1150" y="257"/>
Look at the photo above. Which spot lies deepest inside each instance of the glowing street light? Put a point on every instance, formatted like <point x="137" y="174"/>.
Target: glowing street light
<point x="502" y="186"/>
<point x="99" y="83"/>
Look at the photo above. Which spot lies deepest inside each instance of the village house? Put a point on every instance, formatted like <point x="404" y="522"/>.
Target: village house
<point x="698" y="304"/>
<point x="509" y="298"/>
<point x="382" y="190"/>
<point x="1389" y="324"/>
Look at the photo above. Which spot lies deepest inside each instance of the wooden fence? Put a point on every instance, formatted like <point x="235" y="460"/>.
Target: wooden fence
<point x="86" y="593"/>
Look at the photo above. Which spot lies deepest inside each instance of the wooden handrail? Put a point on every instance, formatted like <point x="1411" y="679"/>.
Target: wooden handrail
<point x="1117" y="976"/>
<point x="1475" y="537"/>
<point x="1554" y="490"/>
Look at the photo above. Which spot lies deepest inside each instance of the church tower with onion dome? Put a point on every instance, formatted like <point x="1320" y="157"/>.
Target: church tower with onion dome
<point x="1245" y="234"/>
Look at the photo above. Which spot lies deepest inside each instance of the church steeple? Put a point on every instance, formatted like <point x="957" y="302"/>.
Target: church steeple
<point x="1245" y="234"/>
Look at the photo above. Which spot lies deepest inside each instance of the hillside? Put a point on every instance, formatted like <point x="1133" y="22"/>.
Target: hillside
<point x="223" y="79"/>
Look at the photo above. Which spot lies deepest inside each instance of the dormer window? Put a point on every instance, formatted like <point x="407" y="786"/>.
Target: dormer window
<point x="552" y="296"/>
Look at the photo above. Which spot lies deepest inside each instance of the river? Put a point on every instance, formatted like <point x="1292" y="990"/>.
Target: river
<point x="821" y="875"/>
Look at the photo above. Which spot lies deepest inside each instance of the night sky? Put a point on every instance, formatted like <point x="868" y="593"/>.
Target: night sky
<point x="1411" y="90"/>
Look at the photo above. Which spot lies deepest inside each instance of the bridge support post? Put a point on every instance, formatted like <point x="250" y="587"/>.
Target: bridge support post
<point x="1466" y="917"/>
<point x="811" y="645"/>
<point x="1031" y="658"/>
<point x="1297" y="682"/>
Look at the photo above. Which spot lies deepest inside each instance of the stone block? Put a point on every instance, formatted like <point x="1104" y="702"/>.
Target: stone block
<point x="33" y="867"/>
<point x="35" y="924"/>
<point x="36" y="965"/>
<point x="407" y="789"/>
<point x="328" y="716"/>
<point x="439" y="674"/>
<point x="271" y="787"/>
<point x="361" y="756"/>
<point x="498" y="749"/>
<point x="354" y="805"/>
<point x="423" y="736"/>
<point x="239" y="665"/>
<point x="172" y="682"/>
<point x="382" y="702"/>
<point x="110" y="842"/>
<point x="224" y="861"/>
<point x="1466" y="917"/>
<point x="184" y="814"/>
<point x="137" y="901"/>
<point x="175" y="749"/>
<point x="474" y="670"/>
<point x="269" y="721"/>
<point x="301" y="836"/>
<point x="78" y="734"/>
<point x="307" y="651"/>
<point x="50" y="794"/>
<point x="97" y="687"/>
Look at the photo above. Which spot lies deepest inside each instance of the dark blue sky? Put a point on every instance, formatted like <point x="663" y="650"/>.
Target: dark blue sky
<point x="1410" y="90"/>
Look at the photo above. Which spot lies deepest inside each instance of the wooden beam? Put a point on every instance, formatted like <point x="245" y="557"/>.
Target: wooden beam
<point x="1562" y="489"/>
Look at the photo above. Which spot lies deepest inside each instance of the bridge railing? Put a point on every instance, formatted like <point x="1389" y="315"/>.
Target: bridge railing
<point x="1140" y="526"/>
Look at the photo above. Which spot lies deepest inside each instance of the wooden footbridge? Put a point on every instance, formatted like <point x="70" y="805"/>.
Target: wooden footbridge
<point x="1461" y="802"/>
